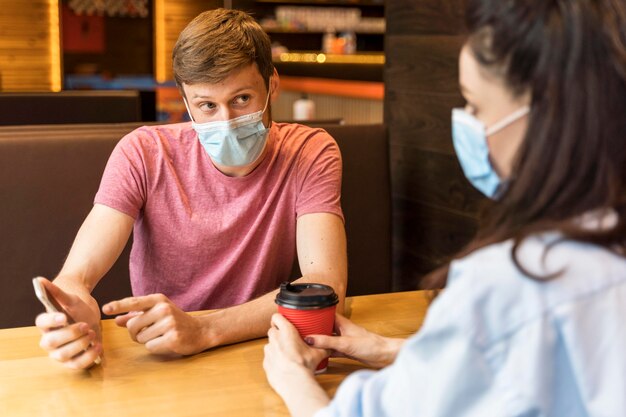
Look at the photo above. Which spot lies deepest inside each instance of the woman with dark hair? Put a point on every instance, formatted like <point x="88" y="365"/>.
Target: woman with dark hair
<point x="531" y="322"/>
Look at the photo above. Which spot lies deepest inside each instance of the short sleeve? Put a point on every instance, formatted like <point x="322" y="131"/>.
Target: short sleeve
<point x="319" y="176"/>
<point x="123" y="185"/>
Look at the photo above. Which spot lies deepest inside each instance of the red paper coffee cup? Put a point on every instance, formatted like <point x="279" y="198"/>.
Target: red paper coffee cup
<point x="310" y="308"/>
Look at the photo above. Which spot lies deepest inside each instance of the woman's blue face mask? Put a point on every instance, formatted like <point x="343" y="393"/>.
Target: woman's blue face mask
<point x="469" y="137"/>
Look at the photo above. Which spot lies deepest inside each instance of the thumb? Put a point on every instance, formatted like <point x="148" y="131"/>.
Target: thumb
<point x="57" y="293"/>
<point x="325" y="342"/>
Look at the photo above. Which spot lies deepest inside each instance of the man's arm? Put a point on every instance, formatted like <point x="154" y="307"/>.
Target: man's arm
<point x="165" y="329"/>
<point x="321" y="243"/>
<point x="98" y="244"/>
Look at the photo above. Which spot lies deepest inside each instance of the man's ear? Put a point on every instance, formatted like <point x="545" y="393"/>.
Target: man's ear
<point x="274" y="86"/>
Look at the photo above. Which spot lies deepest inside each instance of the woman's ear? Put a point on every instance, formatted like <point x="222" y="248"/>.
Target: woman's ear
<point x="274" y="86"/>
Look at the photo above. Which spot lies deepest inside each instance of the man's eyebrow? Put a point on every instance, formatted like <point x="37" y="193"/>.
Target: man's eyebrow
<point x="232" y="93"/>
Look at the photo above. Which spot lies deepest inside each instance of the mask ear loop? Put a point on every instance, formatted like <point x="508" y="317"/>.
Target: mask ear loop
<point x="507" y="121"/>
<point x="267" y="100"/>
<point x="188" y="111"/>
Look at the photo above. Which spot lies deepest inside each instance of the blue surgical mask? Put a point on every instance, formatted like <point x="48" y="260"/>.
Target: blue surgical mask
<point x="235" y="142"/>
<point x="469" y="137"/>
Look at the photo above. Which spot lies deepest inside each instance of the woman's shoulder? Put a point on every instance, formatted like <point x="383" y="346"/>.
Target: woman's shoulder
<point x="501" y="291"/>
<point x="543" y="259"/>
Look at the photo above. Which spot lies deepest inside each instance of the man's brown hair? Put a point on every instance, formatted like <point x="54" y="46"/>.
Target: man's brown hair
<point x="218" y="42"/>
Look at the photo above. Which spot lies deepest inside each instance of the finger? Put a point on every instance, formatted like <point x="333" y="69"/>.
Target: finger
<point x="283" y="325"/>
<point x="139" y="322"/>
<point x="336" y="343"/>
<point x="48" y="321"/>
<point x="73" y="348"/>
<point x="319" y="354"/>
<point x="86" y="359"/>
<point x="267" y="358"/>
<point x="126" y="305"/>
<point x="269" y="351"/>
<point x="56" y="338"/>
<point x="340" y="323"/>
<point x="162" y="345"/>
<point x="157" y="329"/>
<point x="277" y="320"/>
<point x="271" y="333"/>
<point x="122" y="320"/>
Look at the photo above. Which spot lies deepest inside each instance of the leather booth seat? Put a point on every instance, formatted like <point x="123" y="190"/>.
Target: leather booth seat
<point x="49" y="175"/>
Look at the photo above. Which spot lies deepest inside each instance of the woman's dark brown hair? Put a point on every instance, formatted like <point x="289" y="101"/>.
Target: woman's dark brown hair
<point x="571" y="56"/>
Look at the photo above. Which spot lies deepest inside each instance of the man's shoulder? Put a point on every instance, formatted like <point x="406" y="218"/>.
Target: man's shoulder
<point x="154" y="136"/>
<point x="160" y="130"/>
<point x="302" y="133"/>
<point x="304" y="140"/>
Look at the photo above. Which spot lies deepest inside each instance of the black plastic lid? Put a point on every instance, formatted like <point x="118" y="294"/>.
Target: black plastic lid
<point x="306" y="296"/>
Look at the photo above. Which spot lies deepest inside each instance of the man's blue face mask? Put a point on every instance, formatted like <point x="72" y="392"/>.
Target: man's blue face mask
<point x="236" y="142"/>
<point x="469" y="137"/>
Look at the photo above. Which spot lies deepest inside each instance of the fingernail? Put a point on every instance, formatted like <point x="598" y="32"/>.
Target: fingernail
<point x="84" y="328"/>
<point x="309" y="341"/>
<point x="59" y="318"/>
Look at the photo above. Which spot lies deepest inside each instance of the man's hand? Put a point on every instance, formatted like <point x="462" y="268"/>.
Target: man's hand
<point x="155" y="321"/>
<point x="356" y="343"/>
<point x="77" y="345"/>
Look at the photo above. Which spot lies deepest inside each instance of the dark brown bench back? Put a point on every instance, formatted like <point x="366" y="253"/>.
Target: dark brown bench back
<point x="49" y="175"/>
<point x="75" y="107"/>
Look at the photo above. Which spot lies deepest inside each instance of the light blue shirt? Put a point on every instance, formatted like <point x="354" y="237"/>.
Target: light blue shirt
<point x="497" y="343"/>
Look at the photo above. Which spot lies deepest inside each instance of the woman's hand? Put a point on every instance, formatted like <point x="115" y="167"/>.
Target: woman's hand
<point x="289" y="365"/>
<point x="356" y="343"/>
<point x="286" y="354"/>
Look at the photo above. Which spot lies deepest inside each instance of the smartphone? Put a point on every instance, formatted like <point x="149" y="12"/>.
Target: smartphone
<point x="51" y="305"/>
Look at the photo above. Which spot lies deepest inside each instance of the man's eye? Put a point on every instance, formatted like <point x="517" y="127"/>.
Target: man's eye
<point x="207" y="106"/>
<point x="242" y="99"/>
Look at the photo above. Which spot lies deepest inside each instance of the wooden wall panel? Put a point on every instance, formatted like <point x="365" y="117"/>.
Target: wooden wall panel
<point x="419" y="17"/>
<point x="434" y="179"/>
<point x="171" y="17"/>
<point x="422" y="87"/>
<point x="427" y="236"/>
<point x="434" y="206"/>
<point x="27" y="60"/>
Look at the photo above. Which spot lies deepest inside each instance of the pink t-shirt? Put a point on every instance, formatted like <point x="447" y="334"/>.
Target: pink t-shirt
<point x="207" y="240"/>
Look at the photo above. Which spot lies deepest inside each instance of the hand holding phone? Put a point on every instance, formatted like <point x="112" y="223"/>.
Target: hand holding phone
<point x="53" y="306"/>
<point x="48" y="301"/>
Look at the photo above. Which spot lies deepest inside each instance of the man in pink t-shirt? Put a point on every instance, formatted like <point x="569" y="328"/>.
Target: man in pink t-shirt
<point x="218" y="208"/>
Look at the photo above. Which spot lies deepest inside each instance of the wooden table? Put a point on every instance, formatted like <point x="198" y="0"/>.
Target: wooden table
<point x="226" y="381"/>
